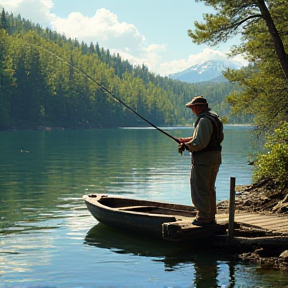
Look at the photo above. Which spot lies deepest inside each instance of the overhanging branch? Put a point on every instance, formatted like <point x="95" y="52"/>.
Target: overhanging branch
<point x="237" y="24"/>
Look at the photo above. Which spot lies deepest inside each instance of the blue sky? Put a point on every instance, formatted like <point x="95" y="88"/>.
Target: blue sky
<point x="150" y="32"/>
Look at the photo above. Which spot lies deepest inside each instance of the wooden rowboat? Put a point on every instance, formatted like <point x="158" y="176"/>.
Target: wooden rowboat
<point x="154" y="219"/>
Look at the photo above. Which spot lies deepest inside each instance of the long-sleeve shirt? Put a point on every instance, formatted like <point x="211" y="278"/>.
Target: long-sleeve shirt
<point x="201" y="135"/>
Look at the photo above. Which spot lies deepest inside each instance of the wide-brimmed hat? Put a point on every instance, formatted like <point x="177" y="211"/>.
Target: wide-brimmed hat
<point x="198" y="100"/>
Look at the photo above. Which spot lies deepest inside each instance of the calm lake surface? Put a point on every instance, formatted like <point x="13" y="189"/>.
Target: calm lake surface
<point x="49" y="239"/>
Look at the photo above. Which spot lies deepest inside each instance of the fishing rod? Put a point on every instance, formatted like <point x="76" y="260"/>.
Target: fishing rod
<point x="110" y="93"/>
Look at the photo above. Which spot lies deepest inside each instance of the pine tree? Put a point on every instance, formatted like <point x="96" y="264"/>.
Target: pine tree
<point x="3" y="20"/>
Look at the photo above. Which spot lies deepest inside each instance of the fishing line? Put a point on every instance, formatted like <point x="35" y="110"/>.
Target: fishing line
<point x="108" y="92"/>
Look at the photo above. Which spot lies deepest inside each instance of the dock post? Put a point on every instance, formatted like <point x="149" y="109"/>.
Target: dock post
<point x="231" y="208"/>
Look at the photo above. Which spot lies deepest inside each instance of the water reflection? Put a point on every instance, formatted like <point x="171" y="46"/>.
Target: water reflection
<point x="43" y="220"/>
<point x="207" y="271"/>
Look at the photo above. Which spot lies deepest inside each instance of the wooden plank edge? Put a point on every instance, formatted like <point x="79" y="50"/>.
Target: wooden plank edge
<point x="182" y="231"/>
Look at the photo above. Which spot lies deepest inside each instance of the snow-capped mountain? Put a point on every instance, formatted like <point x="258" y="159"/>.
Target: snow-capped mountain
<point x="206" y="71"/>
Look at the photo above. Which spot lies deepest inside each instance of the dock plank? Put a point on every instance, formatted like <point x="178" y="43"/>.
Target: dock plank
<point x="184" y="229"/>
<point x="269" y="222"/>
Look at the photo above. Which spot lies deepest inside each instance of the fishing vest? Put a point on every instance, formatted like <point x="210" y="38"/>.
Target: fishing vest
<point x="217" y="133"/>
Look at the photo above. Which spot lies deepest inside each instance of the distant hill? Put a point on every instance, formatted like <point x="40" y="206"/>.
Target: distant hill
<point x="207" y="71"/>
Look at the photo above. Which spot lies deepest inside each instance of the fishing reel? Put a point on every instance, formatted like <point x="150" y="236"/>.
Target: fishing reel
<point x="182" y="147"/>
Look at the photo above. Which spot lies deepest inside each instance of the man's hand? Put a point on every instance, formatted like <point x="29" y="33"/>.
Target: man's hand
<point x="182" y="147"/>
<point x="184" y="140"/>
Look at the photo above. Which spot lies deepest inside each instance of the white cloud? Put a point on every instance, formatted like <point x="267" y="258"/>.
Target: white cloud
<point x="119" y="37"/>
<point x="207" y="54"/>
<point x="150" y="56"/>
<point x="37" y="11"/>
<point x="105" y="29"/>
<point x="210" y="54"/>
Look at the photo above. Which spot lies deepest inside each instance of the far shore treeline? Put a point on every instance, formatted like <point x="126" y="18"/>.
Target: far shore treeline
<point x="41" y="85"/>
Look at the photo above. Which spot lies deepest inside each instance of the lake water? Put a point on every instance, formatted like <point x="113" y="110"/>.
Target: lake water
<point x="49" y="239"/>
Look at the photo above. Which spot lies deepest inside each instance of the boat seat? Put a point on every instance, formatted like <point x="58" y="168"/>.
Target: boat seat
<point x="135" y="207"/>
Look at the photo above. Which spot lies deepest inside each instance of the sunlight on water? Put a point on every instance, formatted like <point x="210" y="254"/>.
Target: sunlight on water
<point x="49" y="239"/>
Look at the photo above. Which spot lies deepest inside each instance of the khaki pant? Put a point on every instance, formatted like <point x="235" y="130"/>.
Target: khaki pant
<point x="204" y="169"/>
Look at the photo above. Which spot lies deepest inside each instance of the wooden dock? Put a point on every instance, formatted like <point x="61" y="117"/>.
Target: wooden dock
<point x="272" y="225"/>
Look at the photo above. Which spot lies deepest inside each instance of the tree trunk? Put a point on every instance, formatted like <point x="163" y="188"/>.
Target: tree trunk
<point x="278" y="44"/>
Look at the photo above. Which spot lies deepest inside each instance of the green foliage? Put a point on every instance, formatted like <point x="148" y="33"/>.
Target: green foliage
<point x="273" y="164"/>
<point x="6" y="79"/>
<point x="263" y="94"/>
<point x="224" y="23"/>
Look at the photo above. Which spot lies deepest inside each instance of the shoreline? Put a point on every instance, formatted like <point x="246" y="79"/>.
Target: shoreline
<point x="50" y="128"/>
<point x="260" y="198"/>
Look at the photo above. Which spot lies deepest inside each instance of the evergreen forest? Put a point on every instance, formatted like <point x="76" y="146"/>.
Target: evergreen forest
<point x="47" y="80"/>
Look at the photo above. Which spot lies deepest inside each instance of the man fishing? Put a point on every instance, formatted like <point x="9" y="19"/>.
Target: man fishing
<point x="205" y="148"/>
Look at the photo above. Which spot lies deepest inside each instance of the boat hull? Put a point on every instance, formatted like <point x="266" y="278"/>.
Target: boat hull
<point x="140" y="216"/>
